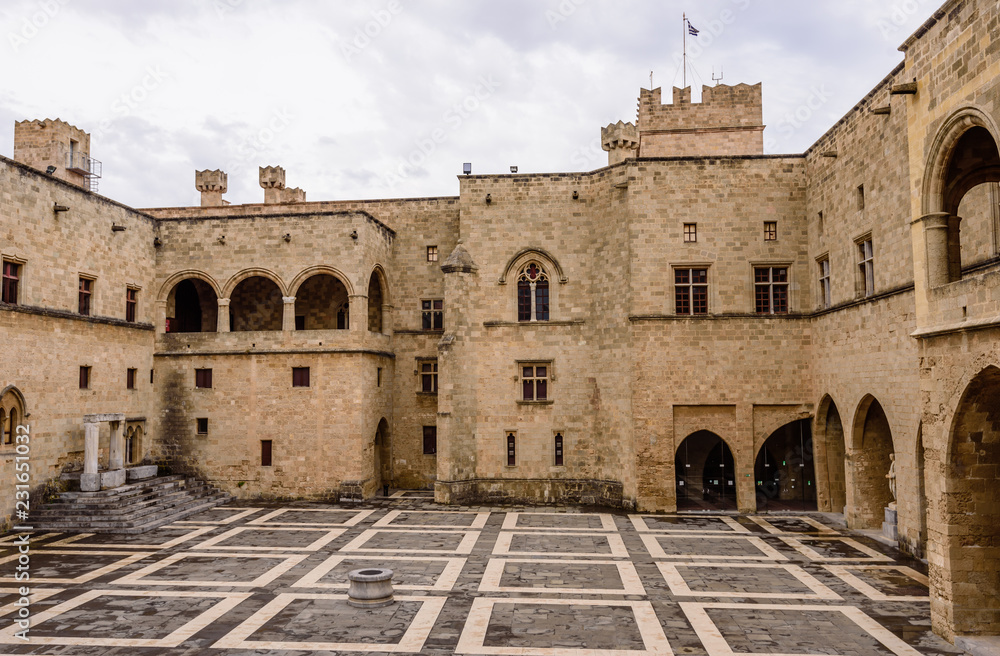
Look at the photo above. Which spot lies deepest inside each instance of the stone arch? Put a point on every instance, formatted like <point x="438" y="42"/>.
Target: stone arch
<point x="705" y="472"/>
<point x="382" y="456"/>
<point x="522" y="257"/>
<point x="254" y="272"/>
<point x="920" y="548"/>
<point x="513" y="273"/>
<point x="322" y="302"/>
<point x="256" y="304"/>
<point x="383" y="279"/>
<point x="784" y="469"/>
<point x="12" y="413"/>
<point x="192" y="306"/>
<point x="376" y="299"/>
<point x="972" y="507"/>
<point x="829" y="449"/>
<point x="871" y="448"/>
<point x="305" y="274"/>
<point x="963" y="156"/>
<point x="172" y="281"/>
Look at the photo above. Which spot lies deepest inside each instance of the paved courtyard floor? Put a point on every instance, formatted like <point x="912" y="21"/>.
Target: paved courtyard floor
<point x="272" y="580"/>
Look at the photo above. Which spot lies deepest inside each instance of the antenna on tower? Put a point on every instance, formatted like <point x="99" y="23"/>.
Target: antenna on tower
<point x="651" y="80"/>
<point x="717" y="79"/>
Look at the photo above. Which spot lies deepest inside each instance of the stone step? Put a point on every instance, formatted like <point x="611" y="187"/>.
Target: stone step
<point x="124" y="491"/>
<point x="118" y="508"/>
<point x="134" y="525"/>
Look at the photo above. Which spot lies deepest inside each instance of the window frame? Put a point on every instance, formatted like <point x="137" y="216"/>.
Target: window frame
<point x="267" y="449"/>
<point x="432" y="314"/>
<point x="510" y="448"/>
<point x="86" y="377"/>
<point x="430" y="437"/>
<point x="427" y="375"/>
<point x="432" y="253"/>
<point x="825" y="289"/>
<point x="690" y="287"/>
<point x="690" y="233"/>
<point x="16" y="277"/>
<point x="131" y="304"/>
<point x="202" y="376"/>
<point x="770" y="231"/>
<point x="301" y="377"/>
<point x="865" y="265"/>
<point x="559" y="448"/>
<point x="85" y="295"/>
<point x="771" y="284"/>
<point x="130" y="378"/>
<point x="547" y="378"/>
<point x="201" y="425"/>
<point x="533" y="295"/>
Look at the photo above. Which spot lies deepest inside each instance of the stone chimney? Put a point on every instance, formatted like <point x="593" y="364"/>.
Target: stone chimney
<point x="211" y="184"/>
<point x="621" y="141"/>
<point x="272" y="181"/>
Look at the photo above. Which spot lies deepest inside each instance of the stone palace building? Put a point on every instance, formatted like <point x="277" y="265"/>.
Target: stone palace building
<point x="696" y="325"/>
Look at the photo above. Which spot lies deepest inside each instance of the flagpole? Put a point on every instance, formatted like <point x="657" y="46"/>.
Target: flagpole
<point x="684" y="20"/>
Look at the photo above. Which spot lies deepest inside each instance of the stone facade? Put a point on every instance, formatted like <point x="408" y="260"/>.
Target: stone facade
<point x="695" y="324"/>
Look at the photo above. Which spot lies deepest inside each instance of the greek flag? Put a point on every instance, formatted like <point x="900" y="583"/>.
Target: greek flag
<point x="691" y="29"/>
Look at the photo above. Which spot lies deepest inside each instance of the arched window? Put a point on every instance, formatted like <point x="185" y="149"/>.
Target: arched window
<point x="532" y="293"/>
<point x="8" y="436"/>
<point x="3" y="425"/>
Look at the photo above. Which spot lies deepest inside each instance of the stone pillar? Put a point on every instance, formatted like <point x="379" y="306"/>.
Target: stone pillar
<point x="954" y="248"/>
<point x="222" y="324"/>
<point x="288" y="318"/>
<point x="116" y="446"/>
<point x="935" y="227"/>
<point x="90" y="481"/>
<point x="211" y="184"/>
<point x="386" y="319"/>
<point x="359" y="313"/>
<point x="161" y="317"/>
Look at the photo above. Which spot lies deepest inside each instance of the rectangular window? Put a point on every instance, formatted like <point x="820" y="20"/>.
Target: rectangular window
<point x="432" y="314"/>
<point x="824" y="283"/>
<point x="559" y="450"/>
<point x="770" y="230"/>
<point x="11" y="279"/>
<point x="202" y="425"/>
<point x="691" y="291"/>
<point x="378" y="376"/>
<point x="534" y="381"/>
<point x="866" y="267"/>
<point x="430" y="440"/>
<point x="265" y="453"/>
<point x="432" y="253"/>
<point x="690" y="233"/>
<point x="151" y="376"/>
<point x="86" y="291"/>
<point x="523" y="302"/>
<point x="131" y="303"/>
<point x="130" y="378"/>
<point x="300" y="376"/>
<point x="771" y="290"/>
<point x="84" y="377"/>
<point x="429" y="376"/>
<point x="511" y="449"/>
<point x="861" y="197"/>
<point x="203" y="378"/>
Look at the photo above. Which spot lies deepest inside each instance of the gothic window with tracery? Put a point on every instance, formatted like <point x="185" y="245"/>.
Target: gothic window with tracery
<point x="533" y="293"/>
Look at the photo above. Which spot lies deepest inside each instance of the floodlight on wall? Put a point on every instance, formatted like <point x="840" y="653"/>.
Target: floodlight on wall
<point x="354" y="234"/>
<point x="288" y="236"/>
<point x="56" y="207"/>
<point x="222" y="239"/>
<point x="50" y="169"/>
<point x="157" y="242"/>
<point x="489" y="198"/>
<point x="117" y="228"/>
<point x="576" y="195"/>
<point x="513" y="169"/>
<point x="467" y="168"/>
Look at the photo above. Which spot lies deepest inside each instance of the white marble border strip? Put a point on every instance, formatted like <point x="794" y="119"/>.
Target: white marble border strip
<point x="411" y="641"/>
<point x="631" y="584"/>
<point x="474" y="634"/>
<point x="264" y="520"/>
<point x="123" y="560"/>
<point x="36" y="595"/>
<point x="615" y="542"/>
<point x="841" y="571"/>
<point x="174" y="639"/>
<point x="821" y="528"/>
<point x="445" y="581"/>
<point x="478" y="522"/>
<point x="870" y="554"/>
<point x="74" y="541"/>
<point x="32" y="540"/>
<point x="240" y="513"/>
<point x="715" y="644"/>
<point x="640" y="525"/>
<point x="679" y="587"/>
<point x="138" y="577"/>
<point x="607" y="522"/>
<point x="655" y="549"/>
<point x="329" y="535"/>
<point x="464" y="548"/>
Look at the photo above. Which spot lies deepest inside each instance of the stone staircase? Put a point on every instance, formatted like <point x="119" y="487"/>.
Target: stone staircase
<point x="130" y="509"/>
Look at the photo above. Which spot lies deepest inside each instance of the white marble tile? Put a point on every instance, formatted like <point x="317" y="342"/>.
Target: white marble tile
<point x="873" y="593"/>
<point x="679" y="587"/>
<point x="141" y="577"/>
<point x="757" y="549"/>
<point x="491" y="581"/>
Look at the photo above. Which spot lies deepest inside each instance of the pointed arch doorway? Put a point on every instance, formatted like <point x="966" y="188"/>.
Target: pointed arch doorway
<point x="705" y="473"/>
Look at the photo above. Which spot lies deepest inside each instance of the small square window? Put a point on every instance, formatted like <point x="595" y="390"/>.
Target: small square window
<point x="770" y="230"/>
<point x="130" y="379"/>
<point x="428" y="376"/>
<point x="432" y="314"/>
<point x="535" y="381"/>
<point x="690" y="233"/>
<point x="432" y="253"/>
<point x="84" y="377"/>
<point x="86" y="293"/>
<point x="202" y="424"/>
<point x="11" y="282"/>
<point x="430" y="440"/>
<point x="203" y="378"/>
<point x="265" y="453"/>
<point x="131" y="303"/>
<point x="300" y="376"/>
<point x="511" y="449"/>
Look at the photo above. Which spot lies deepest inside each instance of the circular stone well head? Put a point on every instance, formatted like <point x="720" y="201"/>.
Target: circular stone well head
<point x="370" y="587"/>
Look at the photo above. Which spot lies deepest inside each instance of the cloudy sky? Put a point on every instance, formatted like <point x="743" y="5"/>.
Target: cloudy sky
<point x="387" y="98"/>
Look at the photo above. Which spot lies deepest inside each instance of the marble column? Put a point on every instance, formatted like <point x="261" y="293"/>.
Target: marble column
<point x="936" y="239"/>
<point x="288" y="318"/>
<point x="116" y="450"/>
<point x="222" y="324"/>
<point x="90" y="481"/>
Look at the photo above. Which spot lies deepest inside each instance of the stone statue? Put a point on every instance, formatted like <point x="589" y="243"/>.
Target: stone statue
<point x="892" y="478"/>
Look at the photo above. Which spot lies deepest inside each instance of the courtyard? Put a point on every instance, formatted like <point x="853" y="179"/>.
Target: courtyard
<point x="272" y="579"/>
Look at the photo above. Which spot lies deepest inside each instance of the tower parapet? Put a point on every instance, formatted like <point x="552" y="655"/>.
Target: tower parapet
<point x="211" y="184"/>
<point x="272" y="181"/>
<point x="620" y="140"/>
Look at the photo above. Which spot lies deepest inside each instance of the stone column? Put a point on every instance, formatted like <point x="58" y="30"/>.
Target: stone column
<point x="359" y="313"/>
<point x="90" y="481"/>
<point x="935" y="227"/>
<point x="222" y="324"/>
<point x="954" y="248"/>
<point x="116" y="446"/>
<point x="288" y="318"/>
<point x="161" y="317"/>
<point x="387" y="319"/>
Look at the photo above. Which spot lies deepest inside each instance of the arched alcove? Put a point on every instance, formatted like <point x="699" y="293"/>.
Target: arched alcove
<point x="255" y="304"/>
<point x="705" y="473"/>
<point x="322" y="303"/>
<point x="192" y="307"/>
<point x="784" y="471"/>
<point x="872" y="448"/>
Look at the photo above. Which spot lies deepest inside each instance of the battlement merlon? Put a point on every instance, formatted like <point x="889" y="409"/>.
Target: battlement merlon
<point x="728" y="121"/>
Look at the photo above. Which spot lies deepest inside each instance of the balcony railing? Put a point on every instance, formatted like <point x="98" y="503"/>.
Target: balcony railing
<point x="88" y="167"/>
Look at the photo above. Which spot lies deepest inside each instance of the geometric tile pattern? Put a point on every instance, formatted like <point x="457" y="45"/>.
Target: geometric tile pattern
<point x="271" y="579"/>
